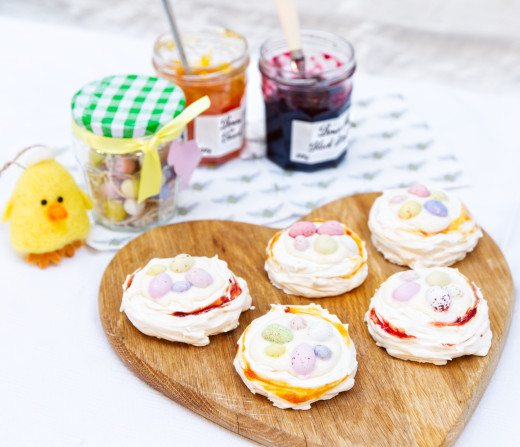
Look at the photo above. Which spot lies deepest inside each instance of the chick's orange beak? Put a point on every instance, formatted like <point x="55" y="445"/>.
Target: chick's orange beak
<point x="57" y="212"/>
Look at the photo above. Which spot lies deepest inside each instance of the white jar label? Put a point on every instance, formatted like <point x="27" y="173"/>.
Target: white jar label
<point x="218" y="135"/>
<point x="319" y="141"/>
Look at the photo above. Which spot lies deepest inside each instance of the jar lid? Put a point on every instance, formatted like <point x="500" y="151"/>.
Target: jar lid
<point x="126" y="106"/>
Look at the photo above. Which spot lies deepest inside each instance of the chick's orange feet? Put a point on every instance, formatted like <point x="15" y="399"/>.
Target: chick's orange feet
<point x="44" y="259"/>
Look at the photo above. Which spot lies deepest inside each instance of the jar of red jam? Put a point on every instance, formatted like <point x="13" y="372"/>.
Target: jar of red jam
<point x="307" y="113"/>
<point x="218" y="59"/>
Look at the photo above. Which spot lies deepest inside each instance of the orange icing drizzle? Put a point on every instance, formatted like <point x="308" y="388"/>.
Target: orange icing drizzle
<point x="281" y="389"/>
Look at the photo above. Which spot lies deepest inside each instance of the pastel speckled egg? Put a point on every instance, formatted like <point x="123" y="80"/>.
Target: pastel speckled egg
<point x="436" y="208"/>
<point x="439" y="195"/>
<point x="129" y="188"/>
<point x="132" y="207"/>
<point x="438" y="278"/>
<point x="409" y="209"/>
<point x="409" y="275"/>
<point x="320" y="331"/>
<point x="275" y="350"/>
<point x="181" y="286"/>
<point x="406" y="291"/>
<point x="303" y="359"/>
<point x="298" y="323"/>
<point x="325" y="244"/>
<point x="301" y="243"/>
<point x="332" y="228"/>
<point x="303" y="228"/>
<point x="182" y="263"/>
<point x="156" y="269"/>
<point x="400" y="198"/>
<point x="322" y="352"/>
<point x="439" y="298"/>
<point x="454" y="291"/>
<point x="124" y="165"/>
<point x="160" y="285"/>
<point x="276" y="333"/>
<point x="199" y="278"/>
<point x="419" y="190"/>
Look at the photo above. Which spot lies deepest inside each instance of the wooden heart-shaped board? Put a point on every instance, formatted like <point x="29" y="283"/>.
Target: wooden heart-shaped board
<point x="393" y="402"/>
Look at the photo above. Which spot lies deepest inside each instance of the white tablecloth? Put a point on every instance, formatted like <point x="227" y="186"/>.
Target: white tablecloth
<point x="60" y="381"/>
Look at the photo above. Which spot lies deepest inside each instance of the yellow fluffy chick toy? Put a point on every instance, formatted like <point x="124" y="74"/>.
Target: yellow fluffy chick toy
<point x="47" y="212"/>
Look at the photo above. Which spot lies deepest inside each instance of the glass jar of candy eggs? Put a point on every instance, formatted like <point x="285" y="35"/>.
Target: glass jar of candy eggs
<point x="218" y="59"/>
<point x="114" y="119"/>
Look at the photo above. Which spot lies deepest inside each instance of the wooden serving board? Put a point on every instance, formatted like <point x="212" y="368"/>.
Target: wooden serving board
<point x="394" y="402"/>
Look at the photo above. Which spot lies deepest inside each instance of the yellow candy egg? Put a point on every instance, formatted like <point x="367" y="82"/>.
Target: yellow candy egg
<point x="438" y="278"/>
<point x="115" y="210"/>
<point x="439" y="195"/>
<point x="325" y="244"/>
<point x="275" y="350"/>
<point x="182" y="263"/>
<point x="410" y="209"/>
<point x="156" y="269"/>
<point x="129" y="188"/>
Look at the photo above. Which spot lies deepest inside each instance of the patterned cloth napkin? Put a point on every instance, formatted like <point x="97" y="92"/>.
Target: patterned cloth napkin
<point x="390" y="147"/>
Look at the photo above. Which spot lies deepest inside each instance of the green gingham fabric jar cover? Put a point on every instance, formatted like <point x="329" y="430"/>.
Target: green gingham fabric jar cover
<point x="127" y="106"/>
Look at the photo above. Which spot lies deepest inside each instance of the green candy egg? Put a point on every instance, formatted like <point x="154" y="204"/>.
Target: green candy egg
<point x="409" y="209"/>
<point x="325" y="244"/>
<point x="438" y="278"/>
<point x="275" y="350"/>
<point x="182" y="263"/>
<point x="156" y="269"/>
<point x="439" y="195"/>
<point x="276" y="333"/>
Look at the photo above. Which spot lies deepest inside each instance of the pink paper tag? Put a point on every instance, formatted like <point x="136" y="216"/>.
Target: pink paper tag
<point x="184" y="157"/>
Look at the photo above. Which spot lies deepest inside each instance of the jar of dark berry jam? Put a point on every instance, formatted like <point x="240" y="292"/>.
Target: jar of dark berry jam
<point x="307" y="113"/>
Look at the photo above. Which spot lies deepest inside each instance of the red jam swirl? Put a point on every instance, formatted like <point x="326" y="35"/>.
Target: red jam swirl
<point x="387" y="327"/>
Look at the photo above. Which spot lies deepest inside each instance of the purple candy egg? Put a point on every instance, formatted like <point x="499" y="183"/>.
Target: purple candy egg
<point x="322" y="352"/>
<point x="301" y="243"/>
<point x="409" y="275"/>
<point x="332" y="228"/>
<point x="160" y="285"/>
<point x="406" y="291"/>
<point x="419" y="190"/>
<point x="165" y="192"/>
<point x="303" y="359"/>
<point x="302" y="228"/>
<point x="199" y="278"/>
<point x="436" y="208"/>
<point x="181" y="286"/>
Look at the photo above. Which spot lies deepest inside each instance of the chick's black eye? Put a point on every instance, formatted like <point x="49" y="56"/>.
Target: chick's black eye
<point x="60" y="199"/>
<point x="44" y="202"/>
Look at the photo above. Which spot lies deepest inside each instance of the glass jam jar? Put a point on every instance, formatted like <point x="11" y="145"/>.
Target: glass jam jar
<point x="110" y="115"/>
<point x="307" y="114"/>
<point x="218" y="59"/>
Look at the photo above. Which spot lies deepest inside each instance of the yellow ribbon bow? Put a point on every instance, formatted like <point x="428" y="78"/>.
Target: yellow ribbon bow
<point x="151" y="172"/>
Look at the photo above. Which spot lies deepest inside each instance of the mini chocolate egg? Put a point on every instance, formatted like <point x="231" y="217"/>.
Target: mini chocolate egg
<point x="276" y="333"/>
<point x="409" y="209"/>
<point x="160" y="285"/>
<point x="332" y="228"/>
<point x="199" y="278"/>
<point x="409" y="275"/>
<point x="129" y="188"/>
<point x="301" y="243"/>
<point x="400" y="198"/>
<point x="165" y="192"/>
<point x="181" y="286"/>
<point x="298" y="323"/>
<point x="156" y="269"/>
<point x="439" y="298"/>
<point x="325" y="244"/>
<point x="419" y="190"/>
<point x="124" y="165"/>
<point x="303" y="359"/>
<point x="439" y="195"/>
<point x="436" y="208"/>
<point x="182" y="263"/>
<point x="454" y="291"/>
<point x="114" y="210"/>
<point x="302" y="228"/>
<point x="406" y="291"/>
<point x="322" y="352"/>
<point x="438" y="278"/>
<point x="132" y="207"/>
<point x="275" y="350"/>
<point x="320" y="331"/>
